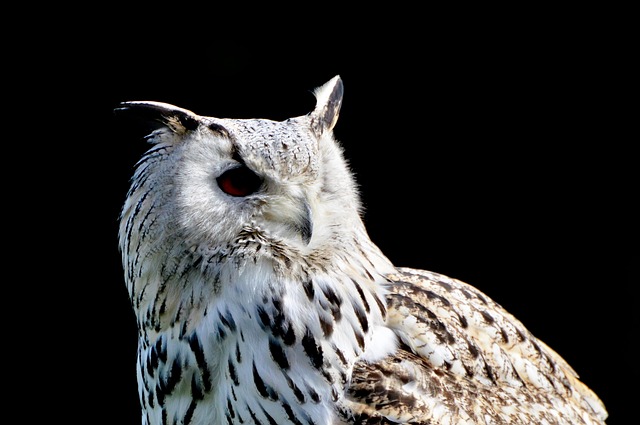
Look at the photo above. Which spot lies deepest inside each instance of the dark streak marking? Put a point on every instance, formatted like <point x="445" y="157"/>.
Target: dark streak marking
<point x="433" y="296"/>
<point x="183" y="328"/>
<point x="196" y="347"/>
<point x="253" y="416"/>
<point x="340" y="355"/>
<point x="359" y="338"/>
<point x="505" y="336"/>
<point x="381" y="306"/>
<point x="163" y="306"/>
<point x="315" y="398"/>
<point x="362" y="296"/>
<point x="334" y="309"/>
<point x="366" y="271"/>
<point x="259" y="383"/>
<point x="175" y="375"/>
<point x="489" y="373"/>
<point x="228" y="321"/>
<point x="296" y="391"/>
<point x="278" y="325"/>
<point x="238" y="354"/>
<point x="232" y="412"/>
<point x="232" y="372"/>
<point x="280" y="322"/>
<point x="482" y="298"/>
<point x="292" y="417"/>
<point x="343" y="377"/>
<point x="268" y="416"/>
<point x="313" y="349"/>
<point x="289" y="336"/>
<point x="264" y="317"/>
<point x="278" y="354"/>
<point x="153" y="359"/>
<point x="221" y="334"/>
<point x="331" y="296"/>
<point x="468" y="295"/>
<point x="473" y="350"/>
<point x="463" y="321"/>
<point x="308" y="289"/>
<point x="487" y="317"/>
<point x="263" y="389"/>
<point x="326" y="326"/>
<point x="445" y="285"/>
<point x="362" y="318"/>
<point x="196" y="390"/>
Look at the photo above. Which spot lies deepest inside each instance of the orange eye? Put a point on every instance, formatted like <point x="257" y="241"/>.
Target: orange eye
<point x="239" y="181"/>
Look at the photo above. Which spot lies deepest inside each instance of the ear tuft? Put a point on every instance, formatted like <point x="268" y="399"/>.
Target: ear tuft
<point x="328" y="103"/>
<point x="159" y="114"/>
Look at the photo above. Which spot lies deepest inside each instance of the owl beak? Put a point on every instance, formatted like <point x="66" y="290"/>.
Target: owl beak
<point x="305" y="227"/>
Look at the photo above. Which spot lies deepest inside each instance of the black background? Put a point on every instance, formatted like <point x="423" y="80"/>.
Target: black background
<point x="493" y="146"/>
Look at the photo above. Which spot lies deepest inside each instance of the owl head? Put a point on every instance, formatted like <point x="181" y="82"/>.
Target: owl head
<point x="206" y="179"/>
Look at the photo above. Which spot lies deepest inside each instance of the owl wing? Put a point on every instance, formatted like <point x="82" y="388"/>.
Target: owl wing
<point x="463" y="359"/>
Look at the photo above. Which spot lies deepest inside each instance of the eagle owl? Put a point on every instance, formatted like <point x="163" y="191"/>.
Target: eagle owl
<point x="260" y="298"/>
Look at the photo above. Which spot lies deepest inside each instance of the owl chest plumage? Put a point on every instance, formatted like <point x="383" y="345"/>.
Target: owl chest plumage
<point x="278" y="343"/>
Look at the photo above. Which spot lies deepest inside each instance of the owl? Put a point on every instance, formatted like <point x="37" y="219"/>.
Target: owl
<point x="261" y="299"/>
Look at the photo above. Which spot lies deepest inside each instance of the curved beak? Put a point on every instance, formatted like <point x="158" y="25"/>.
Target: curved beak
<point x="294" y="213"/>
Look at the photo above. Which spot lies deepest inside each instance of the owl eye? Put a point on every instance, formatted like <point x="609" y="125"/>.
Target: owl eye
<point x="240" y="181"/>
